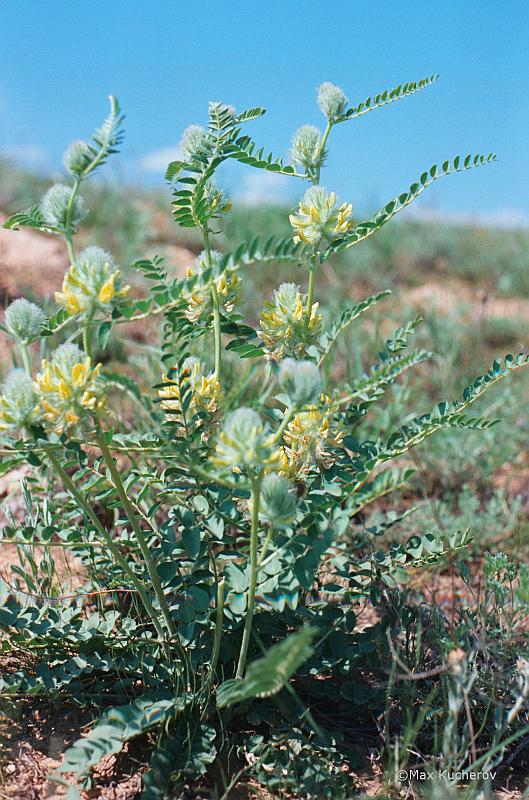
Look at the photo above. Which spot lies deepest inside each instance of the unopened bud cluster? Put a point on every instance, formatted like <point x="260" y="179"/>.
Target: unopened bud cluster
<point x="24" y="320"/>
<point x="61" y="209"/>
<point x="244" y="443"/>
<point x="331" y="100"/>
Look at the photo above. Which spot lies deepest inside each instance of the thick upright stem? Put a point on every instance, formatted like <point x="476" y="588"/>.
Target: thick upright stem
<point x="217" y="336"/>
<point x="256" y="494"/>
<point x="140" y="538"/>
<point x="310" y="297"/>
<point x="87" y="345"/>
<point x="321" y="151"/>
<point x="24" y="352"/>
<point x="120" y="559"/>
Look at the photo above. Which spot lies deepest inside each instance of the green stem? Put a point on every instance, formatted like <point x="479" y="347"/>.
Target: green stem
<point x="87" y="345"/>
<point x="218" y="630"/>
<point x="321" y="151"/>
<point x="121" y="560"/>
<point x="265" y="546"/>
<point x="256" y="493"/>
<point x="142" y="542"/>
<point x="310" y="297"/>
<point x="24" y="352"/>
<point x="216" y="308"/>
<point x="68" y="233"/>
<point x="289" y="413"/>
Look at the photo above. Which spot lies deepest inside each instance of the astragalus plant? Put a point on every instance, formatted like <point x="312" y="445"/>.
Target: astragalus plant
<point x="216" y="509"/>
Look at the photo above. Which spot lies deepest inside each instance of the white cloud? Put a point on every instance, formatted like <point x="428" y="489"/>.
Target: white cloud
<point x="25" y="155"/>
<point x="158" y="160"/>
<point x="260" y="187"/>
<point x="509" y="218"/>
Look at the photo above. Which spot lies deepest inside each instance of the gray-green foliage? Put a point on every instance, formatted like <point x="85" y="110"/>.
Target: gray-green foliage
<point x="225" y="528"/>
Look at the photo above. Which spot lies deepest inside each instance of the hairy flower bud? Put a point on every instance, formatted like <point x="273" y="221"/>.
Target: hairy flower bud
<point x="243" y="443"/>
<point x="306" y="146"/>
<point x="277" y="501"/>
<point x="205" y="390"/>
<point x="68" y="388"/>
<point x="301" y="380"/>
<point x="91" y="284"/>
<point x="24" y="320"/>
<point x="55" y="204"/>
<point x="319" y="216"/>
<point x="199" y="299"/>
<point x="19" y="407"/>
<point x="283" y="323"/>
<point x="331" y="100"/>
<point x="192" y="139"/>
<point x="77" y="157"/>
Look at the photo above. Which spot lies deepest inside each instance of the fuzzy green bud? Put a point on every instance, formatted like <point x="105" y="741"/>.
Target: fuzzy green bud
<point x="306" y="146"/>
<point x="301" y="380"/>
<point x="54" y="206"/>
<point x="77" y="157"/>
<point x="24" y="320"/>
<point x="192" y="140"/>
<point x="19" y="406"/>
<point x="277" y="501"/>
<point x="244" y="443"/>
<point x="331" y="100"/>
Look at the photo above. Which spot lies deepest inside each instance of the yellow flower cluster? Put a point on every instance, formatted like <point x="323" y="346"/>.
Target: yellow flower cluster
<point x="67" y="388"/>
<point x="319" y="216"/>
<point x="199" y="297"/>
<point x="205" y="390"/>
<point x="308" y="439"/>
<point x="283" y="323"/>
<point x="91" y="284"/>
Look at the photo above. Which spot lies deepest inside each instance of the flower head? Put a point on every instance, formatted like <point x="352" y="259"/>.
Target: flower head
<point x="244" y="443"/>
<point x="320" y="216"/>
<point x="91" y="284"/>
<point x="77" y="157"/>
<point x="24" y="320"/>
<point x="277" y="501"/>
<point x="193" y="138"/>
<point x="283" y="323"/>
<point x="205" y="390"/>
<point x="306" y="146"/>
<point x="301" y="380"/>
<point x="199" y="299"/>
<point x="309" y="439"/>
<point x="55" y="207"/>
<point x="331" y="100"/>
<point x="68" y="388"/>
<point x="19" y="407"/>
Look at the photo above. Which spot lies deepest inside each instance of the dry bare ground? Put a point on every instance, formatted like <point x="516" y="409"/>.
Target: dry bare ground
<point x="34" y="734"/>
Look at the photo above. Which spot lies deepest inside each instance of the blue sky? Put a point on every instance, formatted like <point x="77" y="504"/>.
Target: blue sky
<point x="165" y="60"/>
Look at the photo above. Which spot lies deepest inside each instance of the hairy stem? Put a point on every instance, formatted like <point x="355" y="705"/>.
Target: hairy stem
<point x="321" y="151"/>
<point x="24" y="352"/>
<point x="87" y="345"/>
<point x="216" y="309"/>
<point x="68" y="232"/>
<point x="142" y="542"/>
<point x="120" y="559"/>
<point x="218" y="630"/>
<point x="256" y="493"/>
<point x="310" y="297"/>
